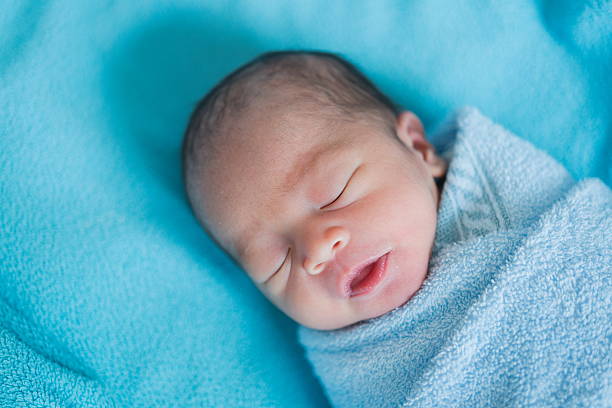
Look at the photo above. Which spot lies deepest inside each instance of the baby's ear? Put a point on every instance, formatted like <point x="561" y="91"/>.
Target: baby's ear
<point x="409" y="122"/>
<point x="409" y="128"/>
<point x="411" y="132"/>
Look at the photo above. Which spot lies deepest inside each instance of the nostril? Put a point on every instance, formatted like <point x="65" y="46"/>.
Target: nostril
<point x="317" y="269"/>
<point x="338" y="245"/>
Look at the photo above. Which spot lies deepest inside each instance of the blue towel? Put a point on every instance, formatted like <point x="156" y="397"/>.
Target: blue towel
<point x="516" y="309"/>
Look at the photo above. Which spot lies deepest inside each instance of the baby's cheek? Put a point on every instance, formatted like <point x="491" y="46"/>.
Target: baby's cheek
<point x="296" y="294"/>
<point x="300" y="302"/>
<point x="386" y="213"/>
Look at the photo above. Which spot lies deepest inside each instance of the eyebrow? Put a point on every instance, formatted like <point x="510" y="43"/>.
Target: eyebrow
<point x="307" y="161"/>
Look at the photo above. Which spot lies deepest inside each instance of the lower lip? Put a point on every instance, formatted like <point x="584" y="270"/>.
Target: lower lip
<point x="373" y="279"/>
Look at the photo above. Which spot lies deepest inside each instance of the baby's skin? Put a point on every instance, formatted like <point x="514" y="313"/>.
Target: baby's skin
<point x="304" y="203"/>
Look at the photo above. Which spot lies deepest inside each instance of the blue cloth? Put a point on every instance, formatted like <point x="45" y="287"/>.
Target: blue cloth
<point x="109" y="290"/>
<point x="517" y="307"/>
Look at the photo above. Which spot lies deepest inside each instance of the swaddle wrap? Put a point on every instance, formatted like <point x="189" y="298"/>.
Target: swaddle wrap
<point x="516" y="307"/>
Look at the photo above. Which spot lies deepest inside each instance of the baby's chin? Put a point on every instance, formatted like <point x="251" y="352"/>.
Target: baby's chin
<point x="394" y="296"/>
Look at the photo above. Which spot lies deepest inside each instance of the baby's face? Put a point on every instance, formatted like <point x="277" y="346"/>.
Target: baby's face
<point x="333" y="223"/>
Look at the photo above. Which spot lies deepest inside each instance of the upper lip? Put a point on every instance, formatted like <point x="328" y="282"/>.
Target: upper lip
<point x="347" y="275"/>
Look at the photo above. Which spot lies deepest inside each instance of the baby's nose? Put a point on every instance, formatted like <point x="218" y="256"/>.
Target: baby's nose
<point x="324" y="249"/>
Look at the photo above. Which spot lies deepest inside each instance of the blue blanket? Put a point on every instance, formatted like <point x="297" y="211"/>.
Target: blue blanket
<point x="517" y="307"/>
<point x="110" y="292"/>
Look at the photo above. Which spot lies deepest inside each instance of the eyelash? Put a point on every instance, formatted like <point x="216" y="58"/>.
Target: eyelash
<point x="344" y="189"/>
<point x="338" y="197"/>
<point x="280" y="267"/>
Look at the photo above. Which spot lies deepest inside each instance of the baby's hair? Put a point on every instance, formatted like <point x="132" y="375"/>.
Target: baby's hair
<point x="316" y="79"/>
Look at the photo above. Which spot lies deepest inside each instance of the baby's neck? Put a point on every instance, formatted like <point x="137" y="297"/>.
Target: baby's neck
<point x="440" y="185"/>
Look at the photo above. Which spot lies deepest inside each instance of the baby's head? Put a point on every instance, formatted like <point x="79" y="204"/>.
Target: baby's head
<point x="316" y="185"/>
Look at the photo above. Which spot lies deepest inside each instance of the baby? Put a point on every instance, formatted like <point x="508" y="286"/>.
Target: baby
<point x="476" y="276"/>
<point x="316" y="185"/>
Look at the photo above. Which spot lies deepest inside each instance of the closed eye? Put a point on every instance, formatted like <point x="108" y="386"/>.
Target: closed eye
<point x="279" y="268"/>
<point x="341" y="192"/>
<point x="335" y="199"/>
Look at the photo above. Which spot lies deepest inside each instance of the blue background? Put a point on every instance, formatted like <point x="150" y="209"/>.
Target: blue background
<point x="110" y="293"/>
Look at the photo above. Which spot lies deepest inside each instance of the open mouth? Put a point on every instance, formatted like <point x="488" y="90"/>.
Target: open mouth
<point x="368" y="277"/>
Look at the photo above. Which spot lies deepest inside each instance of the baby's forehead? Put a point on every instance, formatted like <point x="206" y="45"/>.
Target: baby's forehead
<point x="286" y="146"/>
<point x="271" y="166"/>
<point x="277" y="132"/>
<point x="285" y="156"/>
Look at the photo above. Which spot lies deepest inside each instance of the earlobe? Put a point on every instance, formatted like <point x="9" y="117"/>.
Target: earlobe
<point x="437" y="165"/>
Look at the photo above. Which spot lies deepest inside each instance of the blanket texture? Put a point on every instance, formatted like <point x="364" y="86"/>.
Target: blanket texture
<point x="516" y="310"/>
<point x="110" y="292"/>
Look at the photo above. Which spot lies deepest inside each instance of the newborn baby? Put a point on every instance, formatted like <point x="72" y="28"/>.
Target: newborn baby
<point x="316" y="185"/>
<point x="476" y="276"/>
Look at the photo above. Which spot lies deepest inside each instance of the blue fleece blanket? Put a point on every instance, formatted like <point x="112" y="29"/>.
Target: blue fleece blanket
<point x="517" y="308"/>
<point x="110" y="293"/>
